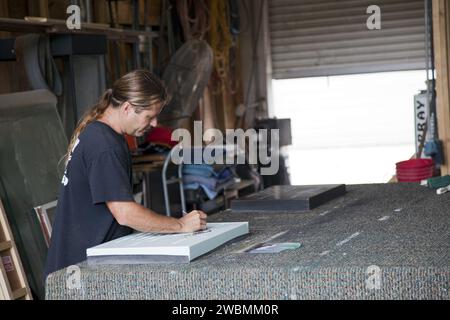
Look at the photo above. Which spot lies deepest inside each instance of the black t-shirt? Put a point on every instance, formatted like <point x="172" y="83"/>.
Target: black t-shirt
<point x="98" y="170"/>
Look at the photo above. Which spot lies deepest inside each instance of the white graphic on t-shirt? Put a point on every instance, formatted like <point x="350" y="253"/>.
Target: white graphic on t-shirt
<point x="65" y="180"/>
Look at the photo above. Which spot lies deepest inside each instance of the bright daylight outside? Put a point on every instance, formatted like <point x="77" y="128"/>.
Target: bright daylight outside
<point x="348" y="129"/>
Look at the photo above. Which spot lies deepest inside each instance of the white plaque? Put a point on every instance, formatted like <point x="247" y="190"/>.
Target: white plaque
<point x="140" y="248"/>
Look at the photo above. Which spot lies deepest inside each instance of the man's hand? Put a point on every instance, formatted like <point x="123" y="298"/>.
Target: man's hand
<point x="193" y="221"/>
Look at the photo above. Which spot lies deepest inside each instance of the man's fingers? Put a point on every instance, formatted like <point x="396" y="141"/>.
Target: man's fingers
<point x="199" y="213"/>
<point x="199" y="219"/>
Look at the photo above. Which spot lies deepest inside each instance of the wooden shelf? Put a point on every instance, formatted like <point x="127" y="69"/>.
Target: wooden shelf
<point x="52" y="26"/>
<point x="147" y="167"/>
<point x="149" y="158"/>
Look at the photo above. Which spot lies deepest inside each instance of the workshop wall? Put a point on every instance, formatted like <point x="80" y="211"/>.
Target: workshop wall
<point x="234" y="30"/>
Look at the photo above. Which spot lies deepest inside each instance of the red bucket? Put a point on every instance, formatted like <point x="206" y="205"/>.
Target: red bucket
<point x="414" y="170"/>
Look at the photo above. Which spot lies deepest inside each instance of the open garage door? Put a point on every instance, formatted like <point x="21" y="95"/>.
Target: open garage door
<point x="324" y="37"/>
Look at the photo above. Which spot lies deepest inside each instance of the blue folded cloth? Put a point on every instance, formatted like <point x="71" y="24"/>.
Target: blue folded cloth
<point x="211" y="194"/>
<point x="208" y="182"/>
<point x="205" y="176"/>
<point x="204" y="170"/>
<point x="212" y="181"/>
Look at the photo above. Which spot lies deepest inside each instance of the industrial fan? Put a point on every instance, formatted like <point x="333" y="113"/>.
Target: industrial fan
<point x="186" y="77"/>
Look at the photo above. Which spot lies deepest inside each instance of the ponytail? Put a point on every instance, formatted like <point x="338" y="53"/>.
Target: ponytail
<point x="91" y="115"/>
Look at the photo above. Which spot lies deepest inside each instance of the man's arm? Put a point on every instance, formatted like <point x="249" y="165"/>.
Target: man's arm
<point x="133" y="215"/>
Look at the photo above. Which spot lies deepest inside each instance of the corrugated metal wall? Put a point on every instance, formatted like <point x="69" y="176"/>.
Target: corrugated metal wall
<point x="325" y="37"/>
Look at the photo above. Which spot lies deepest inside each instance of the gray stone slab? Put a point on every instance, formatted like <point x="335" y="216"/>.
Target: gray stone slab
<point x="288" y="198"/>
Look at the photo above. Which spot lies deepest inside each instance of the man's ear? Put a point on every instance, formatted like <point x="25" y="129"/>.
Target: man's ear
<point x="126" y="107"/>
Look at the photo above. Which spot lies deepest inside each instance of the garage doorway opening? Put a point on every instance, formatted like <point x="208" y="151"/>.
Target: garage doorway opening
<point x="348" y="129"/>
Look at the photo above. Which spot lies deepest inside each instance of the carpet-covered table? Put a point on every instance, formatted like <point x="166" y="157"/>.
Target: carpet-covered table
<point x="383" y="241"/>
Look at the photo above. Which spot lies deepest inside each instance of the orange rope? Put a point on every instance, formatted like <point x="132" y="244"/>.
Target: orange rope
<point x="221" y="41"/>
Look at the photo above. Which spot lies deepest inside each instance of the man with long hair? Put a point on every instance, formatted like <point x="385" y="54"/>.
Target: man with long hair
<point x="95" y="202"/>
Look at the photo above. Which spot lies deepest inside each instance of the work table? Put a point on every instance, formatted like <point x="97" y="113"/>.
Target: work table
<point x="399" y="233"/>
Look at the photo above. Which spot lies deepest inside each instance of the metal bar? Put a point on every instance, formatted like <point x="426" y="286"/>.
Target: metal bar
<point x="136" y="54"/>
<point x="73" y="90"/>
<point x="170" y="35"/>
<point x="147" y="27"/>
<point x="115" y="51"/>
<point x="88" y="6"/>
<point x="162" y="25"/>
<point x="164" y="182"/>
<point x="145" y="189"/>
<point x="182" y="199"/>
